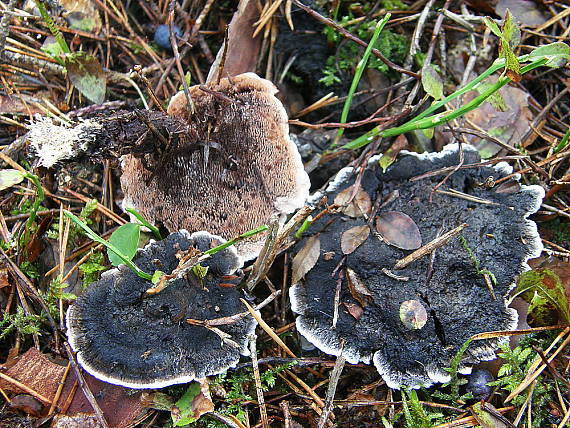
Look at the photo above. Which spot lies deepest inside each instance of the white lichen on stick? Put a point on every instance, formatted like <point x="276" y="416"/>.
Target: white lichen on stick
<point x="53" y="143"/>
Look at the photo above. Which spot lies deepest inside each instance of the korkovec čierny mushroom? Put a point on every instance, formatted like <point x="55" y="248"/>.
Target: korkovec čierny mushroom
<point x="227" y="167"/>
<point x="125" y="336"/>
<point x="411" y="320"/>
<point x="246" y="170"/>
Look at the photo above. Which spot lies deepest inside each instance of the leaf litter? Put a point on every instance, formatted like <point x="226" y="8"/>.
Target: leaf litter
<point x="34" y="81"/>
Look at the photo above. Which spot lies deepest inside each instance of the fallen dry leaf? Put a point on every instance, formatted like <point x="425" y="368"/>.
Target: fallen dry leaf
<point x="525" y="11"/>
<point x="398" y="229"/>
<point x="357" y="288"/>
<point x="119" y="405"/>
<point x="243" y="48"/>
<point x="508" y="187"/>
<point x="508" y="125"/>
<point x="413" y="314"/>
<point x="195" y="402"/>
<point x="360" y="205"/>
<point x="306" y="259"/>
<point x="27" y="404"/>
<point x="353" y="309"/>
<point x="353" y="238"/>
<point x="4" y="278"/>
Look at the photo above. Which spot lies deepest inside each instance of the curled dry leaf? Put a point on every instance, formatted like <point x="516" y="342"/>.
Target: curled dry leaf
<point x="354" y="310"/>
<point x="357" y="288"/>
<point x="508" y="187"/>
<point x="398" y="229"/>
<point x="359" y="206"/>
<point x="27" y="404"/>
<point x="306" y="259"/>
<point x="413" y="314"/>
<point x="354" y="238"/>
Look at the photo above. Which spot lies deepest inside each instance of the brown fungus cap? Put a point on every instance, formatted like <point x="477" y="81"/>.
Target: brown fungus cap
<point x="410" y="322"/>
<point x="126" y="337"/>
<point x="253" y="170"/>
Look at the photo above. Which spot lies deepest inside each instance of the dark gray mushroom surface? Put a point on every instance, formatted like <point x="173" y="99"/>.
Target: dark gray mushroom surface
<point x="370" y="325"/>
<point x="125" y="337"/>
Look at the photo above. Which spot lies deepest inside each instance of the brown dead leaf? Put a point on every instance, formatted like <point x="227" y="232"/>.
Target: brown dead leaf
<point x="27" y="404"/>
<point x="306" y="259"/>
<point x="36" y="371"/>
<point x="508" y="120"/>
<point x="243" y="48"/>
<point x="4" y="278"/>
<point x="525" y="11"/>
<point x="353" y="309"/>
<point x="353" y="238"/>
<point x="119" y="405"/>
<point x="357" y="288"/>
<point x="399" y="229"/>
<point x="508" y="187"/>
<point x="18" y="104"/>
<point x="360" y="205"/>
<point x="202" y="403"/>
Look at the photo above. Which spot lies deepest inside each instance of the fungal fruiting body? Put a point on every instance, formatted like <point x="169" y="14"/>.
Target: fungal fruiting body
<point x="126" y="337"/>
<point x="239" y="169"/>
<point x="462" y="286"/>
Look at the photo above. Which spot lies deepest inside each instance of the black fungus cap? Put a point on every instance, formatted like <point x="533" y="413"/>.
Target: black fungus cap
<point x="125" y="337"/>
<point x="457" y="299"/>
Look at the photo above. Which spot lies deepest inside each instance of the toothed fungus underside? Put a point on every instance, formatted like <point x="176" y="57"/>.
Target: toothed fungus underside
<point x="251" y="172"/>
<point x="456" y="297"/>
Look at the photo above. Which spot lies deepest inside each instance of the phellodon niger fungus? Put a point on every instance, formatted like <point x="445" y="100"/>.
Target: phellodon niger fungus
<point x="248" y="170"/>
<point x="410" y="318"/>
<point x="125" y="336"/>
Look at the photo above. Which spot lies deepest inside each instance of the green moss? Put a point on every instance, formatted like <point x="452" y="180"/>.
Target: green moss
<point x="560" y="230"/>
<point x="392" y="45"/>
<point x="393" y="5"/>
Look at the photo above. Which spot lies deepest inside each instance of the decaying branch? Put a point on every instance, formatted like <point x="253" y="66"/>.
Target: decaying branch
<point x="108" y="137"/>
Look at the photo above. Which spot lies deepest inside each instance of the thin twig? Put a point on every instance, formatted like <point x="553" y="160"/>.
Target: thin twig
<point x="335" y="376"/>
<point x="85" y="388"/>
<point x="429" y="247"/>
<point x="258" y="386"/>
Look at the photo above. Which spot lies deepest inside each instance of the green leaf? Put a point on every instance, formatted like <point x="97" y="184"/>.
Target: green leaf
<point x="52" y="47"/>
<point x="107" y="245"/>
<point x="512" y="62"/>
<point x="145" y="223"/>
<point x="548" y="285"/>
<point x="556" y="53"/>
<point x="193" y="404"/>
<point x="10" y="177"/>
<point x="156" y="276"/>
<point x="431" y="82"/>
<point x="200" y="271"/>
<point x="511" y="30"/>
<point x="125" y="239"/>
<point x="492" y="25"/>
<point x="87" y="76"/>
